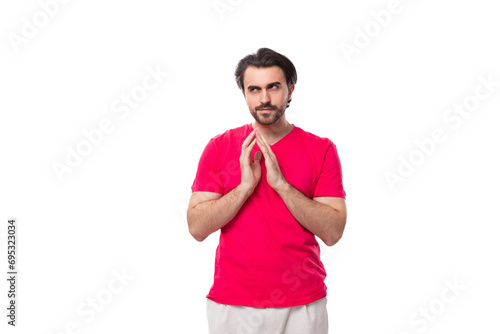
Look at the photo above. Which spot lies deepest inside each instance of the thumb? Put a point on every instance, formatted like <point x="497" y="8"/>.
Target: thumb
<point x="257" y="156"/>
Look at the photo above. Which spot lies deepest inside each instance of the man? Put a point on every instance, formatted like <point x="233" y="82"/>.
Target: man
<point x="270" y="187"/>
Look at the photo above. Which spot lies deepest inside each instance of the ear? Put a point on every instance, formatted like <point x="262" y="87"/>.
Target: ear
<point x="290" y="91"/>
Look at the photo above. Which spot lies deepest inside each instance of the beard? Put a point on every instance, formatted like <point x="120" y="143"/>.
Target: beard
<point x="270" y="118"/>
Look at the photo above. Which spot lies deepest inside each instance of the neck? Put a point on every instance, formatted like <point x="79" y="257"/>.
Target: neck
<point x="274" y="132"/>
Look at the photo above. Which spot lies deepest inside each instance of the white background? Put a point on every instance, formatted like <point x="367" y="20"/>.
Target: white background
<point x="123" y="207"/>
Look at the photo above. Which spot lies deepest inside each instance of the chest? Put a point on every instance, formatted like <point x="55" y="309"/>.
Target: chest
<point x="299" y="165"/>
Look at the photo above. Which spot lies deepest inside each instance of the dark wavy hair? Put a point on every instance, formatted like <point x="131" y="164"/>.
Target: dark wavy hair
<point x="265" y="57"/>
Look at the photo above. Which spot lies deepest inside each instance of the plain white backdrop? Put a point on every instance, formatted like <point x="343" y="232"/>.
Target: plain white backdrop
<point x="68" y="67"/>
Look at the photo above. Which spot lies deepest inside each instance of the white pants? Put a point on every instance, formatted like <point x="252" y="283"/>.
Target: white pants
<point x="311" y="318"/>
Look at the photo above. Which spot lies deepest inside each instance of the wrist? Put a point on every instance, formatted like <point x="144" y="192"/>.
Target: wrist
<point x="282" y="187"/>
<point x="245" y="190"/>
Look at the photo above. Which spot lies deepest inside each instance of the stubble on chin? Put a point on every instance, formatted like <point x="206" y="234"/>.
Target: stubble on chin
<point x="267" y="119"/>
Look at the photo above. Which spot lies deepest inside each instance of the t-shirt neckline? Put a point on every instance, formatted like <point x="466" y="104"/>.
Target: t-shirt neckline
<point x="250" y="127"/>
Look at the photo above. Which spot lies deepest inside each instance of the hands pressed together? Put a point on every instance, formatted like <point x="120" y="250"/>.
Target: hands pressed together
<point x="251" y="171"/>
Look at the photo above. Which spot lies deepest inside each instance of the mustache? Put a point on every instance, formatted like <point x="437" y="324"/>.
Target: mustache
<point x="266" y="106"/>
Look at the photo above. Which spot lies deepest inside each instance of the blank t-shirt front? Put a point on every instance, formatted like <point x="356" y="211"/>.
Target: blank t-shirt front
<point x="265" y="258"/>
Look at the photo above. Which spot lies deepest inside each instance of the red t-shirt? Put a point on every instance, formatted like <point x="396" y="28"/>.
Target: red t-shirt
<point x="265" y="258"/>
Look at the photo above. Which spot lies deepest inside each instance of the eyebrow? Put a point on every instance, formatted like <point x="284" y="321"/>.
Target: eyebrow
<point x="276" y="83"/>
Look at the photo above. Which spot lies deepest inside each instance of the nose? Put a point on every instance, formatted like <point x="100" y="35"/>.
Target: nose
<point x="264" y="97"/>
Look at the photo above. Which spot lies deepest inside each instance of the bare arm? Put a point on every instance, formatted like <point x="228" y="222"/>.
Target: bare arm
<point x="209" y="211"/>
<point x="322" y="216"/>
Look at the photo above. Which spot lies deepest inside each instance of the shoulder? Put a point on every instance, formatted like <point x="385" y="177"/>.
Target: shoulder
<point x="234" y="135"/>
<point x="313" y="140"/>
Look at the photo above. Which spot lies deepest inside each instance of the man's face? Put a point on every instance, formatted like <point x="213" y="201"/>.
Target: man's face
<point x="266" y="93"/>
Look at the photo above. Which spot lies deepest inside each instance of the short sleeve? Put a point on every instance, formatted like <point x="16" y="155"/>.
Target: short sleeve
<point x="330" y="178"/>
<point x="208" y="176"/>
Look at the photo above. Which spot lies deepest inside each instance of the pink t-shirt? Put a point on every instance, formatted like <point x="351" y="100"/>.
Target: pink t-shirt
<point x="265" y="258"/>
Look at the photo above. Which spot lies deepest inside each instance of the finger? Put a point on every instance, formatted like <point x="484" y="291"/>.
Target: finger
<point x="266" y="149"/>
<point x="259" y="135"/>
<point x="246" y="153"/>
<point x="248" y="139"/>
<point x="257" y="157"/>
<point x="263" y="148"/>
<point x="246" y="148"/>
<point x="263" y="139"/>
<point x="252" y="144"/>
<point x="269" y="157"/>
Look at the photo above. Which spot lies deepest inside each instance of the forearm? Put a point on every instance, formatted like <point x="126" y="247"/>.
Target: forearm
<point x="320" y="219"/>
<point x="209" y="216"/>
